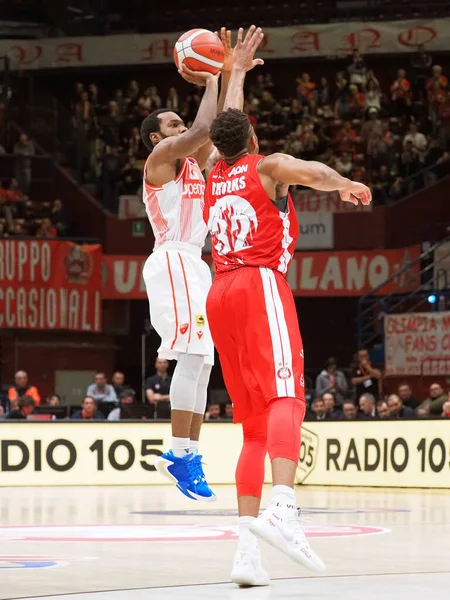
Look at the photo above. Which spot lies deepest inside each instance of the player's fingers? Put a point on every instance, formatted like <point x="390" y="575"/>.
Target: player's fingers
<point x="228" y="38"/>
<point x="257" y="62"/>
<point x="239" y="36"/>
<point x="250" y="32"/>
<point x="257" y="38"/>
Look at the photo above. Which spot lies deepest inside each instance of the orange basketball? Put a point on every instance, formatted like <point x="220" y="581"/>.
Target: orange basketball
<point x="200" y="50"/>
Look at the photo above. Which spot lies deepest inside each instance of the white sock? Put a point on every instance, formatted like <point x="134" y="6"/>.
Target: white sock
<point x="180" y="446"/>
<point x="284" y="495"/>
<point x="193" y="446"/>
<point x="246" y="538"/>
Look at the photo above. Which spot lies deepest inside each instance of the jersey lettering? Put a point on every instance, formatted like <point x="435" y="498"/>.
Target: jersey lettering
<point x="229" y="186"/>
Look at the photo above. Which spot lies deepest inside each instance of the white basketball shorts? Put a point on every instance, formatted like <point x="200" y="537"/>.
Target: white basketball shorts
<point x="177" y="281"/>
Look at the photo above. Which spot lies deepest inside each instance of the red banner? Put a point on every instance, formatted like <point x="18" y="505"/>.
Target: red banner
<point x="352" y="273"/>
<point x="50" y="285"/>
<point x="331" y="39"/>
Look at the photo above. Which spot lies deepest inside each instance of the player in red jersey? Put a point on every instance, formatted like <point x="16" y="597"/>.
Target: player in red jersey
<point x="254" y="323"/>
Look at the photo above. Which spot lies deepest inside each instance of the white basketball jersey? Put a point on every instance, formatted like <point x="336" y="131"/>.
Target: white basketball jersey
<point x="175" y="209"/>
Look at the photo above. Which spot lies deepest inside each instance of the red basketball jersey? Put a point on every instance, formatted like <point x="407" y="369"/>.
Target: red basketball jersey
<point x="246" y="227"/>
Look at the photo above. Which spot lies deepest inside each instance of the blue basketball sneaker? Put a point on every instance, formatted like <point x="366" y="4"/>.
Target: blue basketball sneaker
<point x="187" y="474"/>
<point x="199" y="486"/>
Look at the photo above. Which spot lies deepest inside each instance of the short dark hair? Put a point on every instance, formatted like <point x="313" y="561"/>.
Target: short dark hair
<point x="230" y="131"/>
<point x="151" y="124"/>
<point x="25" y="402"/>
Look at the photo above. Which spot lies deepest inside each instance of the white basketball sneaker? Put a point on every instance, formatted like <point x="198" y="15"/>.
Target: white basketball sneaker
<point x="247" y="568"/>
<point x="280" y="526"/>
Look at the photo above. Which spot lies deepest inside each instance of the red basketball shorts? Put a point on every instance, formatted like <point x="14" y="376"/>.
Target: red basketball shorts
<point x="254" y="325"/>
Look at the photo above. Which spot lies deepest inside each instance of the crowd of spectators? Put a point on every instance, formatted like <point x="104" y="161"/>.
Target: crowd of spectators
<point x="331" y="400"/>
<point x="384" y="136"/>
<point x="20" y="213"/>
<point x="335" y="396"/>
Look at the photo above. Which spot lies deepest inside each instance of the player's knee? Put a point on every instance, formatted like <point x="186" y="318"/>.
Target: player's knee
<point x="189" y="366"/>
<point x="205" y="374"/>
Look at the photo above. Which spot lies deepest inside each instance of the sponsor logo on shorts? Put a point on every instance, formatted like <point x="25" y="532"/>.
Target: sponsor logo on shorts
<point x="200" y="334"/>
<point x="284" y="373"/>
<point x="302" y="380"/>
<point x="184" y="328"/>
<point x="200" y="320"/>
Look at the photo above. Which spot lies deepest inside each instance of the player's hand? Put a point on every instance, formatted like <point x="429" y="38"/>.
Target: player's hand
<point x="355" y="193"/>
<point x="225" y="38"/>
<point x="200" y="78"/>
<point x="245" y="49"/>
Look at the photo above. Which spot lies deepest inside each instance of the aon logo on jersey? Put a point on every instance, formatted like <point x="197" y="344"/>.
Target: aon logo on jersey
<point x="232" y="223"/>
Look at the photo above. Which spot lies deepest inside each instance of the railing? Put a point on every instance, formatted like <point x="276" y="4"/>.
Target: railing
<point x="421" y="284"/>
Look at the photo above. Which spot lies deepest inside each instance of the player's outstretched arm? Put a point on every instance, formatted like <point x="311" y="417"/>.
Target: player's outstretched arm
<point x="243" y="61"/>
<point x="293" y="171"/>
<point x="186" y="144"/>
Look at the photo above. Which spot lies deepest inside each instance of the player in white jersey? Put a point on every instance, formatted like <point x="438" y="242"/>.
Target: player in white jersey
<point x="176" y="278"/>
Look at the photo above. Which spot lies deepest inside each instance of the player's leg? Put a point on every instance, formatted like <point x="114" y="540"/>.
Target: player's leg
<point x="199" y="407"/>
<point x="222" y="314"/>
<point x="171" y="316"/>
<point x="279" y="371"/>
<point x="247" y="567"/>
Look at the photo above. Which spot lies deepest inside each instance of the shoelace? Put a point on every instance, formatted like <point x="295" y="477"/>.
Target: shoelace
<point x="194" y="467"/>
<point x="299" y="524"/>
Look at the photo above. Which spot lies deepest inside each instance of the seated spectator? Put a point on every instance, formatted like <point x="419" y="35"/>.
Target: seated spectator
<point x="434" y="403"/>
<point x="356" y="102"/>
<point x="46" y="229"/>
<point x="344" y="164"/>
<point x="22" y="388"/>
<point x="88" y="411"/>
<point x="401" y="94"/>
<point x="23" y="149"/>
<point x="126" y="397"/>
<point x="417" y="139"/>
<point x="409" y="161"/>
<point x="25" y="407"/>
<point x="365" y="378"/>
<point x="330" y="408"/>
<point x="349" y="410"/>
<point x="323" y="93"/>
<point x="319" y="410"/>
<point x="396" y="408"/>
<point x="357" y="69"/>
<point x="446" y="408"/>
<point x="405" y="393"/>
<point x="173" y="100"/>
<point x="228" y="412"/>
<point x="54" y="400"/>
<point x="157" y="387"/>
<point x="373" y="97"/>
<point x="333" y="381"/>
<point x="367" y="407"/>
<point x="305" y="89"/>
<point x="437" y="77"/>
<point x="118" y="381"/>
<point x="213" y="412"/>
<point x="382" y="409"/>
<point x="101" y="391"/>
<point x="59" y="217"/>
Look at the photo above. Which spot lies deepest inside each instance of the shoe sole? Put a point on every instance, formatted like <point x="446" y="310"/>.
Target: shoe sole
<point x="277" y="541"/>
<point x="244" y="580"/>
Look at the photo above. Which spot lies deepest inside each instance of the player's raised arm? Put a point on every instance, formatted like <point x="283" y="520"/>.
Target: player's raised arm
<point x="293" y="171"/>
<point x="186" y="144"/>
<point x="243" y="61"/>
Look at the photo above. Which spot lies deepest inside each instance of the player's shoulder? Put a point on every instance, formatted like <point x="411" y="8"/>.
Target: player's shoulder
<point x="267" y="163"/>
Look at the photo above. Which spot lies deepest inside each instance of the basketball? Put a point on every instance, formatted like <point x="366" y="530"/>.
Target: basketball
<point x="200" y="50"/>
